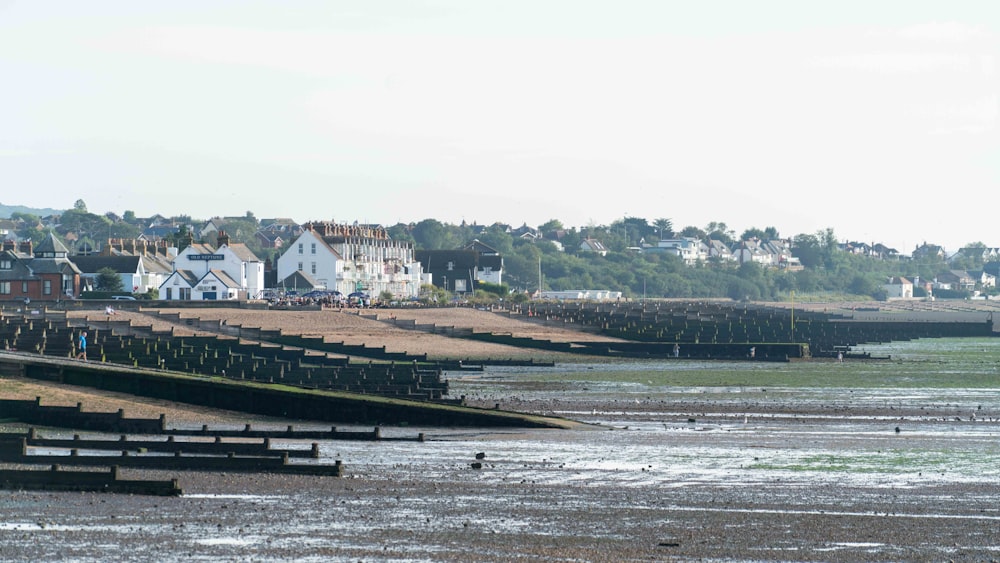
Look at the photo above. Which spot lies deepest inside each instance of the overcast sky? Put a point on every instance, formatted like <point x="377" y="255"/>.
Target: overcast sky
<point x="877" y="119"/>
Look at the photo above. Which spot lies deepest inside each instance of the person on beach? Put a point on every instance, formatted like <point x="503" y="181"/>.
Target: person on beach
<point x="677" y="350"/>
<point x="82" y="347"/>
<point x="753" y="352"/>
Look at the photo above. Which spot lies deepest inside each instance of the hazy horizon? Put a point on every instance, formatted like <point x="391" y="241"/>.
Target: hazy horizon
<point x="875" y="119"/>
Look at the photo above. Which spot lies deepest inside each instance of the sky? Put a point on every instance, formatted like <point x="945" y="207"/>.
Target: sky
<point x="877" y="119"/>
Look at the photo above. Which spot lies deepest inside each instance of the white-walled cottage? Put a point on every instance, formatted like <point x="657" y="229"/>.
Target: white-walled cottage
<point x="899" y="288"/>
<point x="689" y="249"/>
<point x="203" y="272"/>
<point x="352" y="258"/>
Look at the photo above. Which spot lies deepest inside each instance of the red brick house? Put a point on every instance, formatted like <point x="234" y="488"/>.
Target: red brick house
<point x="43" y="272"/>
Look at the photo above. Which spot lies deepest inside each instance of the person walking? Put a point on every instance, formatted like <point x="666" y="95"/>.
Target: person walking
<point x="82" y="346"/>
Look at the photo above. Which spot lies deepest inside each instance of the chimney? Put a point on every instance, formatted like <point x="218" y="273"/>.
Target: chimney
<point x="8" y="245"/>
<point x="223" y="239"/>
<point x="25" y="247"/>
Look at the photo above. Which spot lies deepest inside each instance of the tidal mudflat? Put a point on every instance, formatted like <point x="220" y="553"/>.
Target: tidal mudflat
<point x="868" y="460"/>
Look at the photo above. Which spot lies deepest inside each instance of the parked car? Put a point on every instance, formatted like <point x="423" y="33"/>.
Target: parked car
<point x="123" y="297"/>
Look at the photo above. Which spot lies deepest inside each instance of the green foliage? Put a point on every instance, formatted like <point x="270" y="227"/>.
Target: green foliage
<point x="497" y="289"/>
<point x="108" y="280"/>
<point x="432" y="294"/>
<point x="497" y="239"/>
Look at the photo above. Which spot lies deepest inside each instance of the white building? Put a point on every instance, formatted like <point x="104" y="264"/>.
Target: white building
<point x="581" y="295"/>
<point x="201" y="272"/>
<point x="689" y="249"/>
<point x="899" y="288"/>
<point x="352" y="258"/>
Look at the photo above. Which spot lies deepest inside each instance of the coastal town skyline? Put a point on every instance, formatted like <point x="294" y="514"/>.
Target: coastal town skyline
<point x="877" y="121"/>
<point x="6" y="210"/>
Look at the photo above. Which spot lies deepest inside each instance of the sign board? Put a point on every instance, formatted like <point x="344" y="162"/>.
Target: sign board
<point x="206" y="257"/>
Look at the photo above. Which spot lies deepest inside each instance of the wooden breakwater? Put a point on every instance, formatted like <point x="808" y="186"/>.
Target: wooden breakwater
<point x="283" y="360"/>
<point x="265" y="399"/>
<point x="216" y="446"/>
<point x="744" y="324"/>
<point x="19" y="452"/>
<point x="56" y="478"/>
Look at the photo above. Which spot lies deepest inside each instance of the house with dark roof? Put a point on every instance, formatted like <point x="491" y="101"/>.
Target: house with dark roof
<point x="156" y="233"/>
<point x="139" y="273"/>
<point x="42" y="272"/>
<point x="593" y="245"/>
<point x="269" y="239"/>
<point x="928" y="251"/>
<point x="458" y="270"/>
<point x="957" y="280"/>
<point x="300" y="282"/>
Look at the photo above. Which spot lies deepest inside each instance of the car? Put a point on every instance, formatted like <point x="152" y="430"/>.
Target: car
<point x="123" y="298"/>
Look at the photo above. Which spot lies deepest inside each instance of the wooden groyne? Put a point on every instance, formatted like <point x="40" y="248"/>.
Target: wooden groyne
<point x="55" y="478"/>
<point x="279" y="401"/>
<point x="20" y="452"/>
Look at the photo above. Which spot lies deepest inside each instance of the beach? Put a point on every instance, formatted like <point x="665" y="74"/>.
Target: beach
<point x="667" y="469"/>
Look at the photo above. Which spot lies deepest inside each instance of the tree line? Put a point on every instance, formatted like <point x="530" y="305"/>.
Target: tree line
<point x="555" y="261"/>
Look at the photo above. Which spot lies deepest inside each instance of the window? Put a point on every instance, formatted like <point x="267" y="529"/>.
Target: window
<point x="6" y="264"/>
<point x="46" y="287"/>
<point x="170" y="293"/>
<point x="314" y="268"/>
<point x="24" y="287"/>
<point x="451" y="266"/>
<point x="4" y="288"/>
<point x="314" y="248"/>
<point x="185" y="293"/>
<point x="300" y="250"/>
<point x="300" y="266"/>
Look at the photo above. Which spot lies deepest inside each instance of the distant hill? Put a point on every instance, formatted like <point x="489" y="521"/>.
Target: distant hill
<point x="7" y="210"/>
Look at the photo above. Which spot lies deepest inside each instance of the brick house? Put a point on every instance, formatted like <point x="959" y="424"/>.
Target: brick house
<point x="42" y="272"/>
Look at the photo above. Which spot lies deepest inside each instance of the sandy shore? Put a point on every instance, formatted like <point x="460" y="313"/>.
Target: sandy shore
<point x="607" y="495"/>
<point x="376" y="327"/>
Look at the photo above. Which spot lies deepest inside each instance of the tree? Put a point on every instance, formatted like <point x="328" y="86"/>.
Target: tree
<point x="720" y="231"/>
<point x="664" y="228"/>
<point x="109" y="280"/>
<point x="969" y="257"/>
<point x="497" y="239"/>
<point x="694" y="232"/>
<point x="431" y="234"/>
<point x="552" y="225"/>
<point x="769" y="233"/>
<point x="80" y="206"/>
<point x="807" y="249"/>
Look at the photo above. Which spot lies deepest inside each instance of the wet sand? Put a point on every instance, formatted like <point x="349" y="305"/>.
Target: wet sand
<point x="663" y="477"/>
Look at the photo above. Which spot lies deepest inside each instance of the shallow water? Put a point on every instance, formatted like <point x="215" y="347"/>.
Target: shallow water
<point x="685" y="460"/>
